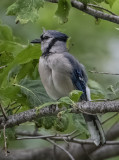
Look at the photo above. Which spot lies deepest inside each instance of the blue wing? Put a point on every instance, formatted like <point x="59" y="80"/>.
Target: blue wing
<point x="78" y="75"/>
<point x="79" y="82"/>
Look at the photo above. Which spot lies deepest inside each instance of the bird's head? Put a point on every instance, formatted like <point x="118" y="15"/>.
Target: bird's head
<point x="49" y="38"/>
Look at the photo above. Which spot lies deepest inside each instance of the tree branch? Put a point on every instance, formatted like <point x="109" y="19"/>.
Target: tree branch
<point x="65" y="138"/>
<point x="99" y="7"/>
<point x="47" y="153"/>
<point x="3" y="112"/>
<point x="85" y="107"/>
<point x="93" y="12"/>
<point x="115" y="74"/>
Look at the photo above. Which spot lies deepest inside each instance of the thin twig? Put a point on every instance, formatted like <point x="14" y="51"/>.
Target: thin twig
<point x="79" y="141"/>
<point x="69" y="134"/>
<point x="99" y="7"/>
<point x="109" y="118"/>
<point x="3" y="112"/>
<point x="6" y="108"/>
<point x="5" y="140"/>
<point x="13" y="103"/>
<point x="11" y="109"/>
<point x="68" y="139"/>
<point x="18" y="108"/>
<point x="75" y="131"/>
<point x="116" y="74"/>
<point x="65" y="141"/>
<point x="35" y="137"/>
<point x="69" y="155"/>
<point x="76" y="135"/>
<point x="26" y="133"/>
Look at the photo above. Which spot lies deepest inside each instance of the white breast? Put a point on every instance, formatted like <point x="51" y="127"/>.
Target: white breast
<point x="55" y="76"/>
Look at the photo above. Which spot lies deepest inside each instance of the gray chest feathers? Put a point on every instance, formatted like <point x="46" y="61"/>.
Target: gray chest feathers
<point x="55" y="72"/>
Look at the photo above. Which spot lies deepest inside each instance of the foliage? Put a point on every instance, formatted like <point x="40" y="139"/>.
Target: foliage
<point x="63" y="10"/>
<point x="21" y="88"/>
<point x="19" y="84"/>
<point x="110" y="2"/>
<point x="59" y="123"/>
<point x="80" y="125"/>
<point x="28" y="10"/>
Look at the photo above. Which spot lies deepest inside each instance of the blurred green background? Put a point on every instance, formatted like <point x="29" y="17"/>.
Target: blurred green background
<point x="95" y="45"/>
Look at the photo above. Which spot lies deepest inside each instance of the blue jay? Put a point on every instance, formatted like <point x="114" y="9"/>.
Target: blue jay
<point x="61" y="73"/>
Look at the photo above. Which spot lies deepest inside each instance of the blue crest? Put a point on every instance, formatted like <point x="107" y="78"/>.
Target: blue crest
<point x="57" y="35"/>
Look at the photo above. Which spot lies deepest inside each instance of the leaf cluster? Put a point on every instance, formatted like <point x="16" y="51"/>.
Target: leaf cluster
<point x="28" y="10"/>
<point x="57" y="123"/>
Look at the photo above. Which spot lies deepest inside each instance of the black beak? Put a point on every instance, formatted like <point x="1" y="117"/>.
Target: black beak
<point x="36" y="41"/>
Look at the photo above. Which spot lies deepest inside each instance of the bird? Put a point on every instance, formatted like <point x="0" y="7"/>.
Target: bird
<point x="61" y="72"/>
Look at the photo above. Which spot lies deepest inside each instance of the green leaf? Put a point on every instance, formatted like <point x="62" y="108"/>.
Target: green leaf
<point x="93" y="84"/>
<point x="65" y="101"/>
<point x="28" y="68"/>
<point x="5" y="58"/>
<point x="61" y="123"/>
<point x="25" y="56"/>
<point x="28" y="54"/>
<point x="12" y="94"/>
<point x="9" y="51"/>
<point x="110" y="2"/>
<point x="75" y="95"/>
<point x="113" y="92"/>
<point x="34" y="92"/>
<point x="25" y="10"/>
<point x="6" y="33"/>
<point x="68" y="43"/>
<point x="80" y="124"/>
<point x="9" y="94"/>
<point x="63" y="10"/>
<point x="46" y="104"/>
<point x="48" y="122"/>
<point x="111" y="89"/>
<point x="97" y="91"/>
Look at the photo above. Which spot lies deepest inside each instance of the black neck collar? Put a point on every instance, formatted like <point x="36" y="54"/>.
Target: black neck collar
<point x="46" y="53"/>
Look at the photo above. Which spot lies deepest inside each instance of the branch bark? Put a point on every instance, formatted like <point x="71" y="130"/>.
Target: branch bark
<point x="93" y="12"/>
<point x="85" y="107"/>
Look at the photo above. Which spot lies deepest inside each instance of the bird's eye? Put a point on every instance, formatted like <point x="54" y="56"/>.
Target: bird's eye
<point x="46" y="37"/>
